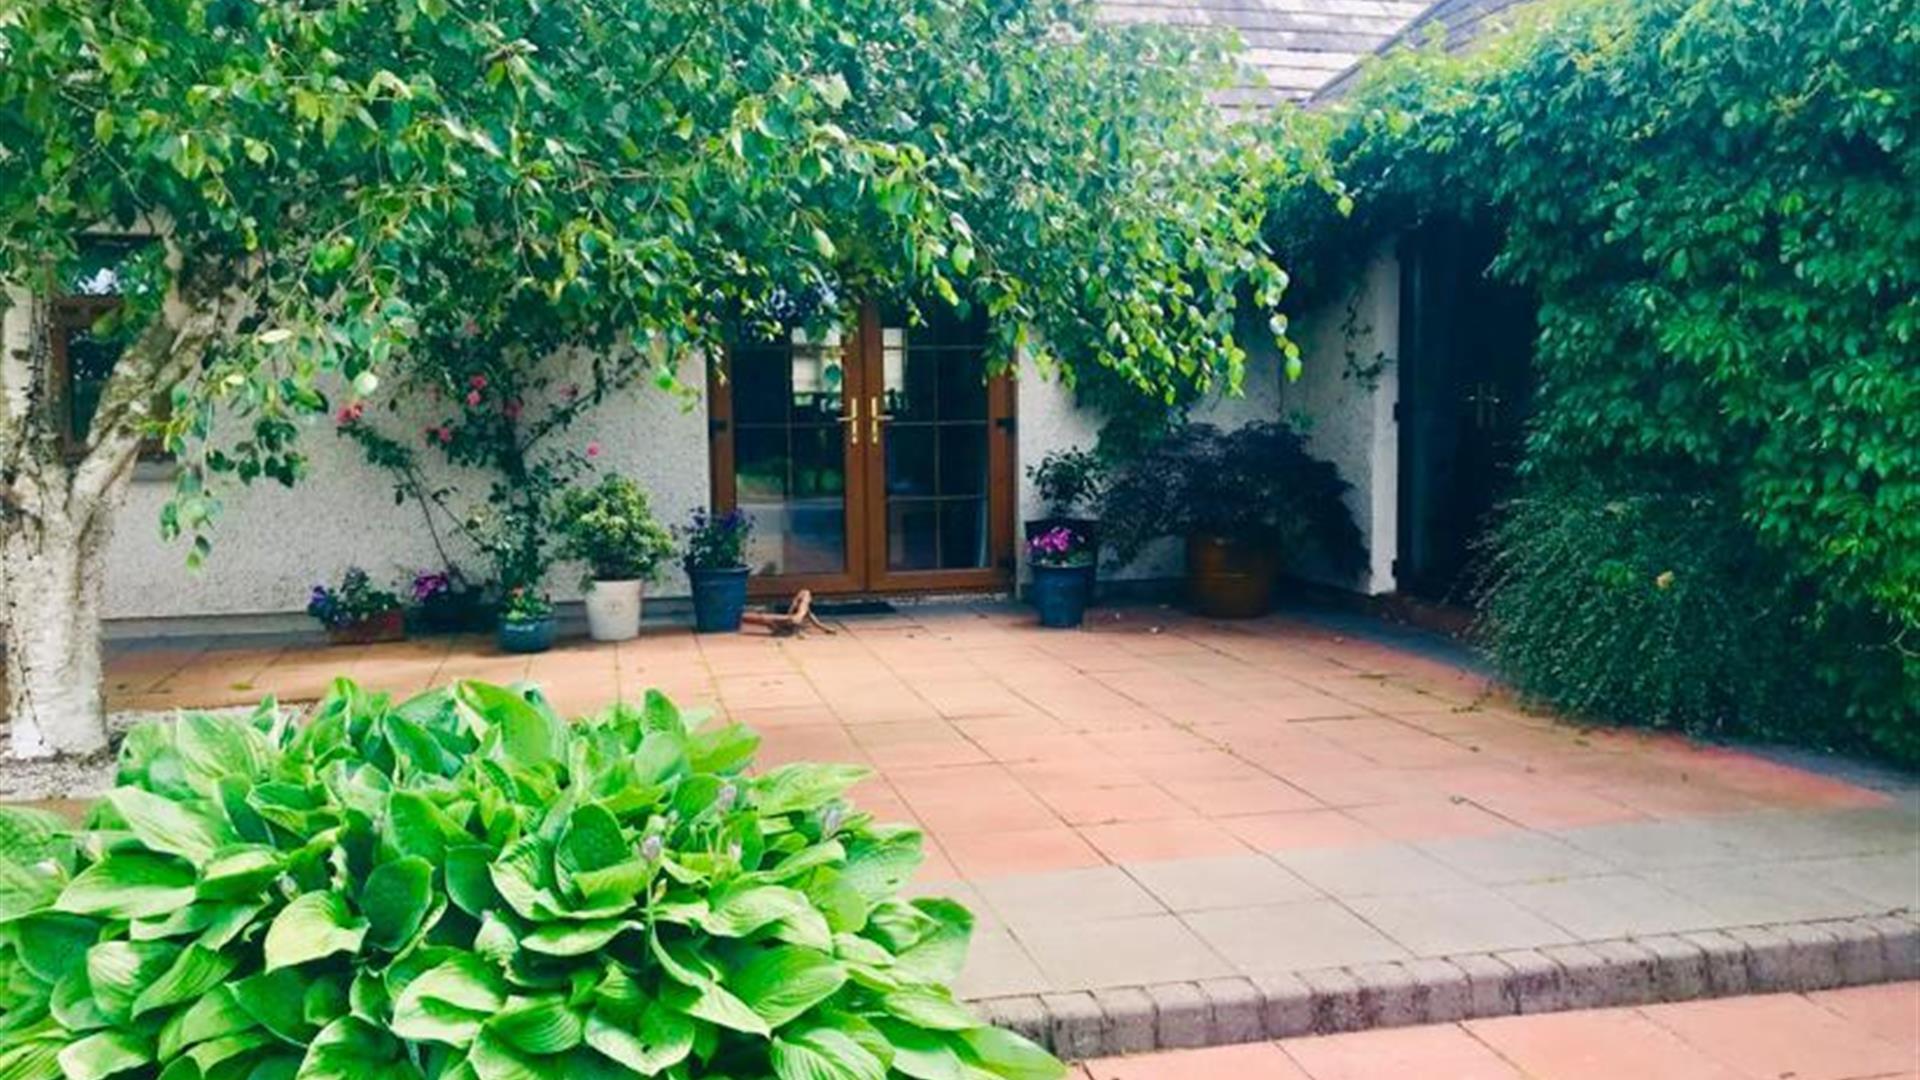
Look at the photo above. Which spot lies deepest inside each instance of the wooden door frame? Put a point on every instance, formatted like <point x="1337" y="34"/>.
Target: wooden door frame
<point x="865" y="499"/>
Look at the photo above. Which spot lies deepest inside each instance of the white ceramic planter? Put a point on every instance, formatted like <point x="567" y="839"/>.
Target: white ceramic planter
<point x="613" y="610"/>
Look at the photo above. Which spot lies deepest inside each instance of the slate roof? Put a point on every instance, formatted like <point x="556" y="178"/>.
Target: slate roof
<point x="1307" y="48"/>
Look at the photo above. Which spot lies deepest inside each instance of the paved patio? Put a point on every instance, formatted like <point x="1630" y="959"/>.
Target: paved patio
<point x="1161" y="799"/>
<point x="1854" y="1034"/>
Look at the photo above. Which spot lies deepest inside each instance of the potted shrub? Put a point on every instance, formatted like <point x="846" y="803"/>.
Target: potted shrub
<point x="445" y="602"/>
<point x="357" y="613"/>
<point x="1068" y="483"/>
<point x="716" y="565"/>
<point x="1246" y="502"/>
<point x="1060" y="559"/>
<point x="610" y="528"/>
<point x="526" y="620"/>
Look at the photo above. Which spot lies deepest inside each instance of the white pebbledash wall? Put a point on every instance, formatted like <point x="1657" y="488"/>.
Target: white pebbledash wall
<point x="272" y="544"/>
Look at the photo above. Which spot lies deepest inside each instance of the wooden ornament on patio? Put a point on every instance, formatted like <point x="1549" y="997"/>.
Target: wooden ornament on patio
<point x="797" y="618"/>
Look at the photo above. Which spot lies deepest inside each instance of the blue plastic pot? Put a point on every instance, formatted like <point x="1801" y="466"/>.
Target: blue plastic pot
<point x="1060" y="593"/>
<point x="526" y="635"/>
<point x="719" y="599"/>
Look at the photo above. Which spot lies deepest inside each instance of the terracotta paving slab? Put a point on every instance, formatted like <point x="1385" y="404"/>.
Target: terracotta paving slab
<point x="1164" y="797"/>
<point x="1860" y="1034"/>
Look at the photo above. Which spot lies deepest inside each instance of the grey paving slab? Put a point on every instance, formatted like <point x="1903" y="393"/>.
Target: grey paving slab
<point x="1513" y="858"/>
<point x="1891" y="881"/>
<point x="1223" y="882"/>
<point x="1445" y="923"/>
<point x="1612" y="906"/>
<point x="1660" y="845"/>
<point x="1030" y="901"/>
<point x="1749" y="894"/>
<point x="1278" y="938"/>
<point x="1800" y="834"/>
<point x="997" y="966"/>
<point x="1383" y="870"/>
<point x="1121" y="952"/>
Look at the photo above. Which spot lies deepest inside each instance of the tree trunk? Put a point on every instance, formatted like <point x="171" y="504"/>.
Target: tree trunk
<point x="52" y="570"/>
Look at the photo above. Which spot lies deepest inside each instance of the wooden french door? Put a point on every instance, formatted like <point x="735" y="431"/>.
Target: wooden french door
<point x="874" y="459"/>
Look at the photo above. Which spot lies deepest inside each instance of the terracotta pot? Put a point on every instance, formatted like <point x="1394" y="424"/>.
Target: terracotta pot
<point x="386" y="626"/>
<point x="1230" y="578"/>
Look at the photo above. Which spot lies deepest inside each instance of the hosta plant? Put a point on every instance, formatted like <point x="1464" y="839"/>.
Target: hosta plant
<point x="465" y="887"/>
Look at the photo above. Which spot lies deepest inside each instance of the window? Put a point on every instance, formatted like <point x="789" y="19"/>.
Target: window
<point x="86" y="344"/>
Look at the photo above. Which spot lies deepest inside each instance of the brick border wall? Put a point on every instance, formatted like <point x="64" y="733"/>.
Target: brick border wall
<point x="1790" y="957"/>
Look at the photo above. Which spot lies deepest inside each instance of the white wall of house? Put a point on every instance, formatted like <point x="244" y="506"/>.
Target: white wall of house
<point x="273" y="544"/>
<point x="1344" y="399"/>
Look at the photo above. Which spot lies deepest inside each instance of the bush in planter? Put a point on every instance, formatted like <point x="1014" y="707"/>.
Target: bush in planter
<point x="611" y="528"/>
<point x="1069" y="483"/>
<point x="357" y="612"/>
<point x="465" y="887"/>
<point x="716" y="563"/>
<point x="448" y="603"/>
<point x="526" y="620"/>
<point x="1245" y="501"/>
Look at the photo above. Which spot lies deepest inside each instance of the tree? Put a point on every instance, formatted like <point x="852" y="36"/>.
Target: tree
<point x="327" y="191"/>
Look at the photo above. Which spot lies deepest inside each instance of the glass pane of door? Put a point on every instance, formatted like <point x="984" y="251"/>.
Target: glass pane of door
<point x="790" y="466"/>
<point x="934" y="380"/>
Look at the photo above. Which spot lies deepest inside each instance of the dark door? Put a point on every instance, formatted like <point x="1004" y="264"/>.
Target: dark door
<point x="1466" y="388"/>
<point x="877" y="459"/>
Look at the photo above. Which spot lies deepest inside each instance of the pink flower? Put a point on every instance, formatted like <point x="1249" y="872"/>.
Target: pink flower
<point x="593" y="449"/>
<point x="349" y="414"/>
<point x="478" y="382"/>
<point x="511" y="409"/>
<point x="473" y="397"/>
<point x="445" y="435"/>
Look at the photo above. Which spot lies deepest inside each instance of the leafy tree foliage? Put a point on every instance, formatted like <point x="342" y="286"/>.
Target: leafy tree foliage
<point x="465" y="886"/>
<point x="1718" y="205"/>
<point x="335" y="192"/>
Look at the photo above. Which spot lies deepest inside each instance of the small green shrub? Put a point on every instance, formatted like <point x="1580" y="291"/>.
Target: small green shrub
<point x="610" y="527"/>
<point x="1665" y="610"/>
<point x="465" y="887"/>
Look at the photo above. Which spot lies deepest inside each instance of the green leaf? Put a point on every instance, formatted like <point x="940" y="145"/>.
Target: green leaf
<point x="23" y="889"/>
<point x="51" y="944"/>
<point x="723" y="750"/>
<point x="470" y="878"/>
<point x="940" y="954"/>
<point x="214" y="1016"/>
<point x="782" y="982"/>
<point x="573" y="939"/>
<point x="929" y="1007"/>
<point x="240" y="872"/>
<point x="104" y="1054"/>
<point x="804" y="786"/>
<point x="350" y="1049"/>
<point x="823" y="1054"/>
<point x="448" y="1003"/>
<point x="129" y="885"/>
<point x="593" y="840"/>
<point x="194" y="973"/>
<point x="923" y="1055"/>
<point x="542" y="1025"/>
<point x="118" y="971"/>
<point x="29" y="837"/>
<point x="738" y="912"/>
<point x="277" y="999"/>
<point x="314" y="925"/>
<point x="1009" y="1055"/>
<point x="395" y="900"/>
<point x="212" y="748"/>
<point x="170" y="827"/>
<point x="716" y="1005"/>
<point x="664" y="1038"/>
<point x="526" y="735"/>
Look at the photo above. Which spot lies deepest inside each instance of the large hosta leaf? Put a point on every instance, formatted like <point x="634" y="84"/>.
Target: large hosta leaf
<point x="782" y="982"/>
<point x="448" y="1003"/>
<point x="395" y="900"/>
<point x="542" y="1025"/>
<point x="661" y="1039"/>
<point x="170" y="827"/>
<point x="104" y="1054"/>
<point x="195" y="971"/>
<point x="314" y="925"/>
<point x="129" y="885"/>
<point x="741" y="911"/>
<point x="350" y="1049"/>
<point x="1009" y="1055"/>
<point x="24" y="889"/>
<point x="29" y="836"/>
<point x="804" y="786"/>
<point x="118" y="971"/>
<point x="716" y="1005"/>
<point x="823" y="1054"/>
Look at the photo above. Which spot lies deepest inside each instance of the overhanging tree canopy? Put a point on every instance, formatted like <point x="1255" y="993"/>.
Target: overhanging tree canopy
<point x="325" y="186"/>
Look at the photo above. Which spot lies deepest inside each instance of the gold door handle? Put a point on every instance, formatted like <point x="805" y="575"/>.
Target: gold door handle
<point x="853" y="420"/>
<point x="875" y="416"/>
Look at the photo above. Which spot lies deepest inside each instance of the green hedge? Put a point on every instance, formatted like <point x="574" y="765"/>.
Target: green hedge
<point x="465" y="887"/>
<point x="1717" y="203"/>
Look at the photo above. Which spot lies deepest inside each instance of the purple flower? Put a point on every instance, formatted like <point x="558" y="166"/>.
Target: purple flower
<point x="652" y="846"/>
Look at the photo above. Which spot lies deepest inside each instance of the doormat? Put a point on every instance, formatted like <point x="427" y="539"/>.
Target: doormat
<point x="840" y="609"/>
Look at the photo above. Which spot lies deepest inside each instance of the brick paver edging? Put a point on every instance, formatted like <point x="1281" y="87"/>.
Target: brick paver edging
<point x="1793" y="957"/>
